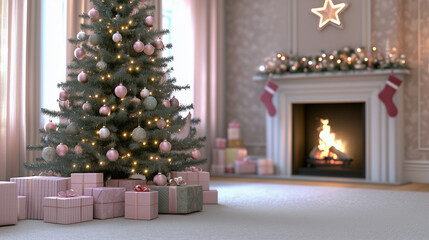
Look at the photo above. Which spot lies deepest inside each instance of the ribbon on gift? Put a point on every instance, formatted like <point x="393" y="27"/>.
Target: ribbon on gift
<point x="139" y="188"/>
<point x="68" y="193"/>
<point x="193" y="169"/>
<point x="177" y="181"/>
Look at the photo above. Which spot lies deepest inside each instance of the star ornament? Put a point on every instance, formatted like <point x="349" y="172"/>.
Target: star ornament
<point x="329" y="13"/>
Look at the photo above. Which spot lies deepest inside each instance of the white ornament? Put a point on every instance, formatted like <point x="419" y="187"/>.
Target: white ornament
<point x="117" y="37"/>
<point x="104" y="132"/>
<point x="81" y="35"/>
<point x="139" y="134"/>
<point x="101" y="65"/>
<point x="144" y="93"/>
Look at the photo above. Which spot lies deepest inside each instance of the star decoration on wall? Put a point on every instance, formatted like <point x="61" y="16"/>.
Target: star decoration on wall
<point x="329" y="13"/>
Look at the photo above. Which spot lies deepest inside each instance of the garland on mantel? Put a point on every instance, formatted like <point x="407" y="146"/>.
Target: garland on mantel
<point x="346" y="59"/>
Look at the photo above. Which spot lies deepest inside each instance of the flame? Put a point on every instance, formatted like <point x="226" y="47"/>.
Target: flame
<point x="327" y="140"/>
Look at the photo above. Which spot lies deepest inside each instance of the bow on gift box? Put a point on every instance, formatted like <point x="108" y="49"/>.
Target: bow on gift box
<point x="68" y="193"/>
<point x="193" y="169"/>
<point x="177" y="181"/>
<point x="139" y="188"/>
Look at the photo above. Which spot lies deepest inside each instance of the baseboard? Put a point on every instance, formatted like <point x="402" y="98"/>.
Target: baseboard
<point x="416" y="171"/>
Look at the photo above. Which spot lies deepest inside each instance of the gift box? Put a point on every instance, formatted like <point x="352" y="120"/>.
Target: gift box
<point x="80" y="181"/>
<point x="179" y="199"/>
<point x="36" y="188"/>
<point x="218" y="156"/>
<point x="233" y="133"/>
<point x="127" y="183"/>
<point x="22" y="207"/>
<point x="217" y="169"/>
<point x="141" y="205"/>
<point x="265" y="166"/>
<point x="67" y="210"/>
<point x="233" y="154"/>
<point x="246" y="166"/>
<point x="210" y="196"/>
<point x="229" y="168"/>
<point x="109" y="202"/>
<point x="235" y="144"/>
<point x="194" y="178"/>
<point x="220" y="143"/>
<point x="8" y="203"/>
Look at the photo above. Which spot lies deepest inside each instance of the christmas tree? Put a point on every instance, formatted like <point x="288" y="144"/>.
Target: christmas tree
<point x="118" y="115"/>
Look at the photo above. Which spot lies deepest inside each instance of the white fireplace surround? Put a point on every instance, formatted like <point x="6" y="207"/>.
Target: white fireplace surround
<point x="383" y="134"/>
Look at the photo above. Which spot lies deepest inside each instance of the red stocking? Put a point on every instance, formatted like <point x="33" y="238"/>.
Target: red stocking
<point x="267" y="97"/>
<point x="386" y="96"/>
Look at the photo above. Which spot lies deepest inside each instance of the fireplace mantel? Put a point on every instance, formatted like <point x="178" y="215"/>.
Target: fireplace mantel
<point x="383" y="134"/>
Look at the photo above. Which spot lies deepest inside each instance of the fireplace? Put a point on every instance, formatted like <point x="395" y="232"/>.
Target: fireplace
<point x="381" y="148"/>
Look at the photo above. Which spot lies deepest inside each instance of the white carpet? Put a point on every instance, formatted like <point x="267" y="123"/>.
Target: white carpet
<point x="263" y="211"/>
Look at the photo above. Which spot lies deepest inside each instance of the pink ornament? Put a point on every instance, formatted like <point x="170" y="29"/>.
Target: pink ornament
<point x="64" y="104"/>
<point x="50" y="126"/>
<point x="174" y="102"/>
<point x="78" y="149"/>
<point x="63" y="95"/>
<point x="165" y="146"/>
<point x="160" y="179"/>
<point x="87" y="106"/>
<point x="136" y="100"/>
<point x="166" y="103"/>
<point x="104" y="110"/>
<point x="112" y="155"/>
<point x="82" y="77"/>
<point x="93" y="14"/>
<point x="196" y="154"/>
<point x="149" y="21"/>
<point x="121" y="91"/>
<point x="79" y="53"/>
<point x="62" y="149"/>
<point x="149" y="49"/>
<point x="161" y="123"/>
<point x="144" y="93"/>
<point x="159" y="44"/>
<point x="138" y="46"/>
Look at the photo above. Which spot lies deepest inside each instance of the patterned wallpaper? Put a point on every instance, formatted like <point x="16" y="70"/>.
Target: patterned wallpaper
<point x="256" y="29"/>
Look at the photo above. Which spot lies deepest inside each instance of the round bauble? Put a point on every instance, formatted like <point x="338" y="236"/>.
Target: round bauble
<point x="166" y="103"/>
<point x="64" y="104"/>
<point x="50" y="126"/>
<point x="121" y="91"/>
<point x="149" y="21"/>
<point x="78" y="149"/>
<point x="81" y="35"/>
<point x="62" y="149"/>
<point x="165" y="146"/>
<point x="87" y="106"/>
<point x="93" y="14"/>
<point x="117" y="37"/>
<point x="63" y="96"/>
<point x="159" y="44"/>
<point x="136" y="100"/>
<point x="94" y="39"/>
<point x="112" y="155"/>
<point x="101" y="65"/>
<point x="72" y="129"/>
<point x="150" y="103"/>
<point x="145" y="93"/>
<point x="149" y="49"/>
<point x="139" y="134"/>
<point x="196" y="154"/>
<point x="174" y="102"/>
<point x="82" y="77"/>
<point x="79" y="53"/>
<point x="138" y="46"/>
<point x="104" y="110"/>
<point x="49" y="154"/>
<point x="160" y="179"/>
<point x="104" y="132"/>
<point x="161" y="123"/>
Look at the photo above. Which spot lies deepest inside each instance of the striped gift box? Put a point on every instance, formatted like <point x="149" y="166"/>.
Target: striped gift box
<point x="141" y="205"/>
<point x="22" y="207"/>
<point x="36" y="188"/>
<point x="68" y="210"/>
<point x="8" y="203"/>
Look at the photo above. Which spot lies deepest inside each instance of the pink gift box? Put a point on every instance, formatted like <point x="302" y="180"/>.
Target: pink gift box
<point x="141" y="205"/>
<point x="246" y="166"/>
<point x="218" y="156"/>
<point x="194" y="178"/>
<point x="127" y="183"/>
<point x="22" y="207"/>
<point x="234" y="124"/>
<point x="210" y="196"/>
<point x="8" y="203"/>
<point x="36" y="188"/>
<point x="265" y="166"/>
<point x="108" y="201"/>
<point x="68" y="210"/>
<point x="220" y="143"/>
<point x="217" y="169"/>
<point x="80" y="181"/>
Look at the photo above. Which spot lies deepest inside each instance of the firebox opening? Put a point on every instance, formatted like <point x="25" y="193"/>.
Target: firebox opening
<point x="329" y="139"/>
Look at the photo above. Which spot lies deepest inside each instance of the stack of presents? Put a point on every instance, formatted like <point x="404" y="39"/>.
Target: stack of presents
<point x="230" y="156"/>
<point x="83" y="197"/>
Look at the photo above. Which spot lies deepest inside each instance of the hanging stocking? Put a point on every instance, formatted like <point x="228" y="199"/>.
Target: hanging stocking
<point x="267" y="97"/>
<point x="386" y="96"/>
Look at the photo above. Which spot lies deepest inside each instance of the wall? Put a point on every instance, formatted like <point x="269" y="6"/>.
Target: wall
<point x="258" y="29"/>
